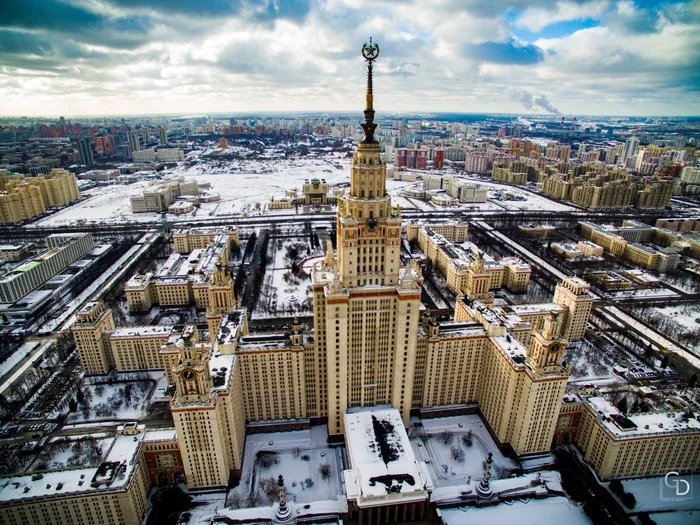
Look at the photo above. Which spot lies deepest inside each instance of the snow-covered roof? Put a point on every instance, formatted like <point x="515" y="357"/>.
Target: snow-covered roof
<point x="525" y="310"/>
<point x="640" y="424"/>
<point x="383" y="469"/>
<point x="220" y="367"/>
<point x="143" y="331"/>
<point x="160" y="435"/>
<point x="114" y="473"/>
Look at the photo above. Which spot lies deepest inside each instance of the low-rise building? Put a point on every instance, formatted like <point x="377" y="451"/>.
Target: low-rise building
<point x="63" y="249"/>
<point x="116" y="491"/>
<point x="618" y="445"/>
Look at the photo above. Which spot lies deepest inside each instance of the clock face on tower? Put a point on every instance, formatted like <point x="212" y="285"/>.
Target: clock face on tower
<point x="188" y="374"/>
<point x="372" y="224"/>
<point x="554" y="348"/>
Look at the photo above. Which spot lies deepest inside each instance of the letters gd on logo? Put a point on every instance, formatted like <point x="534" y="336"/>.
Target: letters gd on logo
<point x="674" y="486"/>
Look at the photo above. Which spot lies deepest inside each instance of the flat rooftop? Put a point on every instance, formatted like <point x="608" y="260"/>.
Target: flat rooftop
<point x="382" y="464"/>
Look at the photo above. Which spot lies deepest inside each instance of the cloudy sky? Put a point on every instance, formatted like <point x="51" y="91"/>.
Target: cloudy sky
<point x="107" y="57"/>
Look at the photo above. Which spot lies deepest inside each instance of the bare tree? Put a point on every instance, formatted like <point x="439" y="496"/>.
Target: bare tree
<point x="325" y="470"/>
<point x="457" y="453"/>
<point x="235" y="500"/>
<point x="447" y="436"/>
<point x="266" y="459"/>
<point x="467" y="439"/>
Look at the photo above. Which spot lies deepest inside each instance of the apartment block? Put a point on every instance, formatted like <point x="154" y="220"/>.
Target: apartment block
<point x="63" y="249"/>
<point x="23" y="198"/>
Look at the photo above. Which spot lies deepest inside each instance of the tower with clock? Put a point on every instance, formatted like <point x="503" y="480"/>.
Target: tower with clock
<point x="193" y="381"/>
<point x="546" y="353"/>
<point x="366" y="305"/>
<point x="203" y="414"/>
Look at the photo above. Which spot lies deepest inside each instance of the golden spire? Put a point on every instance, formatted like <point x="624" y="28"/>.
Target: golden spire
<point x="370" y="52"/>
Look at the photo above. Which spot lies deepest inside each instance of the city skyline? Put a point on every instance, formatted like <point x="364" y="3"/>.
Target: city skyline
<point x="117" y="57"/>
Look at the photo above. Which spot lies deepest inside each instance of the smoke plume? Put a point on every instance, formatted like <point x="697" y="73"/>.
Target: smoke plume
<point x="530" y="102"/>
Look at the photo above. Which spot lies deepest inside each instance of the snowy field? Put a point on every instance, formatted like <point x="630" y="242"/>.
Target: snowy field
<point x="104" y="204"/>
<point x="681" y="322"/>
<point x="687" y="315"/>
<point x="246" y="187"/>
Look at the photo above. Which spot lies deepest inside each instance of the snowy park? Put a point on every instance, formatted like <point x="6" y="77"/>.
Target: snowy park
<point x="111" y="400"/>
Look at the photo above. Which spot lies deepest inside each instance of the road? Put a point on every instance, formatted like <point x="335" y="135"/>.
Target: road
<point x="35" y="232"/>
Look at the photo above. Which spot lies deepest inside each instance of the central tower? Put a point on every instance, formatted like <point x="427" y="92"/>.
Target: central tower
<point x="366" y="306"/>
<point x="369" y="230"/>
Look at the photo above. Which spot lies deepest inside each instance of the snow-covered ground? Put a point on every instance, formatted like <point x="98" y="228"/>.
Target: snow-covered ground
<point x="116" y="401"/>
<point x="500" y="197"/>
<point x="73" y="451"/>
<point x="429" y="445"/>
<point x="646" y="292"/>
<point x="687" y="315"/>
<point x="299" y="456"/>
<point x="532" y="512"/>
<point x="652" y="335"/>
<point x="104" y="204"/>
<point x="17" y="357"/>
<point x="586" y="367"/>
<point x="247" y="185"/>
<point x="284" y="292"/>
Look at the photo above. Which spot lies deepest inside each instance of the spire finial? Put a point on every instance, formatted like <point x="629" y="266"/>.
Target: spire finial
<point x="370" y="52"/>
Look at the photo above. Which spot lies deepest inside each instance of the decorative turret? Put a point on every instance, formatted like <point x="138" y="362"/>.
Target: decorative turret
<point x="370" y="52"/>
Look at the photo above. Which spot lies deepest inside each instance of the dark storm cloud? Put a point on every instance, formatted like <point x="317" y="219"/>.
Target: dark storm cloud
<point x="76" y="22"/>
<point x="505" y="53"/>
<point x="257" y="10"/>
<point x="21" y="43"/>
<point x="47" y="14"/>
<point x="198" y="8"/>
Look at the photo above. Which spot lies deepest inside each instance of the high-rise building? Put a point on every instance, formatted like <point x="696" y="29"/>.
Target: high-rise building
<point x="438" y="158"/>
<point x="366" y="307"/>
<point x="367" y="348"/>
<point x="85" y="152"/>
<point x="134" y="141"/>
<point x="573" y="294"/>
<point x="630" y="149"/>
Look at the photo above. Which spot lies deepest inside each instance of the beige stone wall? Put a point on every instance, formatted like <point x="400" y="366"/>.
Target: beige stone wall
<point x="452" y="370"/>
<point x="273" y="383"/>
<point x="92" y="342"/>
<point x="138" y="352"/>
<point x="202" y="445"/>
